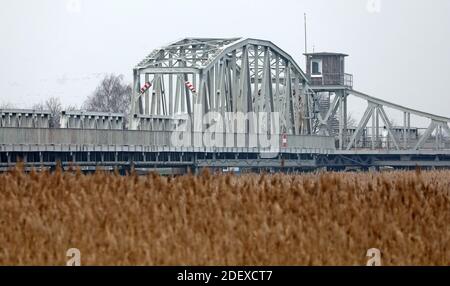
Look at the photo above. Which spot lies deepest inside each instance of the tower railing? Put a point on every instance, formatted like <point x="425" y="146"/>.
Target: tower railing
<point x="342" y="79"/>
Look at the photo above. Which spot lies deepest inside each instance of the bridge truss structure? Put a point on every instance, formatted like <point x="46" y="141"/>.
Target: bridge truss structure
<point x="226" y="76"/>
<point x="375" y="111"/>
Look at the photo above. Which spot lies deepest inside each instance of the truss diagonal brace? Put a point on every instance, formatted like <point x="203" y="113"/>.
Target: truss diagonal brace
<point x="426" y="135"/>
<point x="333" y="108"/>
<point x="446" y="128"/>
<point x="388" y="126"/>
<point x="362" y="124"/>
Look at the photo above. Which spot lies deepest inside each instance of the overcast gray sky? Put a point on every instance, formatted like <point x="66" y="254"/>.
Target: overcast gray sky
<point x="399" y="50"/>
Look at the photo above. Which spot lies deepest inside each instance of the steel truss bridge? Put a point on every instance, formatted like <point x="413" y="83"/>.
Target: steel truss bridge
<point x="196" y="77"/>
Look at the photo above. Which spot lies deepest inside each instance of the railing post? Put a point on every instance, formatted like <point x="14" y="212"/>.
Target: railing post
<point x="404" y="129"/>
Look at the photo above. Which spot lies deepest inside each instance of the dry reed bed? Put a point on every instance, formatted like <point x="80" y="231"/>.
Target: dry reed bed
<point x="217" y="219"/>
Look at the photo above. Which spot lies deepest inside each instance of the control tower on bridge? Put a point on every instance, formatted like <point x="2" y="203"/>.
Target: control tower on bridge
<point x="327" y="76"/>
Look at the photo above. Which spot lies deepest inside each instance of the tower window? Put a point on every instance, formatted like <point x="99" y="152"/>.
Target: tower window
<point x="316" y="67"/>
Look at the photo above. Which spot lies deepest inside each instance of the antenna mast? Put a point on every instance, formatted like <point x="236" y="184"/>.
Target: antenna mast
<point x="306" y="41"/>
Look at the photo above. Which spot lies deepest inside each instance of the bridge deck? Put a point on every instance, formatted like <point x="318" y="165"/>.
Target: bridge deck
<point x="154" y="149"/>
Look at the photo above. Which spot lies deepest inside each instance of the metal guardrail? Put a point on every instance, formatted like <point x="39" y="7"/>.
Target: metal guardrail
<point x="348" y="80"/>
<point x="333" y="79"/>
<point x="406" y="142"/>
<point x="82" y="137"/>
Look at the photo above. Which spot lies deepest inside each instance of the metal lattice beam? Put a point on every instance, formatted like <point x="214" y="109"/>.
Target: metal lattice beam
<point x="231" y="75"/>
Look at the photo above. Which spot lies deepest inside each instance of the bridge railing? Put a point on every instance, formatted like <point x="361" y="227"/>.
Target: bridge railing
<point x="171" y="139"/>
<point x="405" y="139"/>
<point x="343" y="79"/>
<point x="385" y="142"/>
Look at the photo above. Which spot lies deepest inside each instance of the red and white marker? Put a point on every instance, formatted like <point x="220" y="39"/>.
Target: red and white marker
<point x="146" y="86"/>
<point x="190" y="86"/>
<point x="284" y="140"/>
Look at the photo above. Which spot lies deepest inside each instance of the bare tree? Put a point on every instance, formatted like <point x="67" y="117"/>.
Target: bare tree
<point x="351" y="121"/>
<point x="53" y="105"/>
<point x="7" y="105"/>
<point x="112" y="95"/>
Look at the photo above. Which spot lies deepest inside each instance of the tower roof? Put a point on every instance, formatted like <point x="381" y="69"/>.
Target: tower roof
<point x="326" y="54"/>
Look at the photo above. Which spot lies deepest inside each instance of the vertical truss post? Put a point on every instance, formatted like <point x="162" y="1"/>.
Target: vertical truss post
<point x="377" y="126"/>
<point x="229" y="87"/>
<point x="215" y="90"/>
<point x="279" y="105"/>
<point x="289" y="98"/>
<point x="372" y="135"/>
<point x="235" y="84"/>
<point x="245" y="87"/>
<point x="345" y="117"/>
<point x="438" y="136"/>
<point x="204" y="97"/>
<point x="159" y="94"/>
<point x="210" y="79"/>
<point x="405" y="130"/>
<point x="221" y="91"/>
<point x="268" y="91"/>
<point x="289" y="107"/>
<point x="307" y="108"/>
<point x="154" y="95"/>
<point x="388" y="126"/>
<point x="134" y="98"/>
<point x="408" y="122"/>
<point x="178" y="89"/>
<point x="341" y="120"/>
<point x="194" y="58"/>
<point x="297" y="94"/>
<point x="171" y="88"/>
<point x="187" y="94"/>
<point x="256" y="73"/>
<point x="147" y="96"/>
